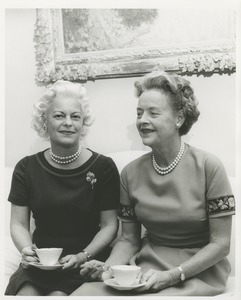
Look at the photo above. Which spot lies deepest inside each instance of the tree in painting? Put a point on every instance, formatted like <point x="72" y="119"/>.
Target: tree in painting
<point x="88" y="30"/>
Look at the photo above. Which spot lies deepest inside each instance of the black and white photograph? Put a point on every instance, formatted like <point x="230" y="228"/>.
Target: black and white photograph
<point x="120" y="149"/>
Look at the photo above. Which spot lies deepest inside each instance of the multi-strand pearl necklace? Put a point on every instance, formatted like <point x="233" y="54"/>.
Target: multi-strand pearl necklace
<point x="64" y="159"/>
<point x="172" y="166"/>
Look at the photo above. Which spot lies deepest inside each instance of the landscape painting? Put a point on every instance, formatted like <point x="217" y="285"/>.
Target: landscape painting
<point x="89" y="44"/>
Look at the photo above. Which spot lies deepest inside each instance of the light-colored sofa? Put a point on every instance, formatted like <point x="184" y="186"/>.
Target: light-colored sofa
<point x="12" y="256"/>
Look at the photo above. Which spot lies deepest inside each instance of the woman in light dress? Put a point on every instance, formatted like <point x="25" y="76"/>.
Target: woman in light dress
<point x="181" y="195"/>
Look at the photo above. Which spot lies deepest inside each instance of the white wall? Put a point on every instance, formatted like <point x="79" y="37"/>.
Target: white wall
<point x="113" y="104"/>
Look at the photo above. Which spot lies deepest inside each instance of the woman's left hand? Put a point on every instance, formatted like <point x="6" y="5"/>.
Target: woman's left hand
<point x="155" y="281"/>
<point x="72" y="261"/>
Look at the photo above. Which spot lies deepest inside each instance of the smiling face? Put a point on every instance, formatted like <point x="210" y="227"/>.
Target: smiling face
<point x="156" y="119"/>
<point x="64" y="121"/>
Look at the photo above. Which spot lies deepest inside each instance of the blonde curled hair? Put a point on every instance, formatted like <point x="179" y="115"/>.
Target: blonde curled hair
<point x="60" y="88"/>
<point x="180" y="92"/>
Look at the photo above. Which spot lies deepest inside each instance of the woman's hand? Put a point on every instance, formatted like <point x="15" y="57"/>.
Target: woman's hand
<point x="95" y="270"/>
<point x="73" y="261"/>
<point x="155" y="281"/>
<point x="28" y="255"/>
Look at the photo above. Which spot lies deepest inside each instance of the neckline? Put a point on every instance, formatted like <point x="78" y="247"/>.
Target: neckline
<point x="187" y="147"/>
<point x="166" y="170"/>
<point x="47" y="166"/>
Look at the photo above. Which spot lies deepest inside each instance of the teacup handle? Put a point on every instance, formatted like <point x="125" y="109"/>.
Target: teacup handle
<point x="138" y="278"/>
<point x="33" y="247"/>
<point x="107" y="273"/>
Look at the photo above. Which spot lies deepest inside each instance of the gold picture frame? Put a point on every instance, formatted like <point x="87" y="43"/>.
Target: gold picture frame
<point x="91" y="44"/>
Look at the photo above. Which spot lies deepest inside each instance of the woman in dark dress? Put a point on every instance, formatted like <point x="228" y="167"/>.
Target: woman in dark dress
<point x="71" y="191"/>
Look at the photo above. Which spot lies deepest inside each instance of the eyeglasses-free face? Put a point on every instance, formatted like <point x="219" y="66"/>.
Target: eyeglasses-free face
<point x="156" y="118"/>
<point x="65" y="121"/>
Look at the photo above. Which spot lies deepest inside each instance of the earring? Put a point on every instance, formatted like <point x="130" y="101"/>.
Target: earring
<point x="45" y="127"/>
<point x="177" y="126"/>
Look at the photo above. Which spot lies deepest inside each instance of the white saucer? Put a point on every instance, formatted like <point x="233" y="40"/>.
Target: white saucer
<point x="44" y="267"/>
<point x="112" y="283"/>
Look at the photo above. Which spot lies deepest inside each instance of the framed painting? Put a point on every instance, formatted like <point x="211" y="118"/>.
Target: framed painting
<point x="91" y="44"/>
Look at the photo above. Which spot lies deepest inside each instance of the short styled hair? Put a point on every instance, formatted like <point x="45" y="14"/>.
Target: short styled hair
<point x="179" y="90"/>
<point x="60" y="88"/>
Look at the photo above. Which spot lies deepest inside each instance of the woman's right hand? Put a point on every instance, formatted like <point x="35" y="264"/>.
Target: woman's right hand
<point x="28" y="255"/>
<point x="95" y="270"/>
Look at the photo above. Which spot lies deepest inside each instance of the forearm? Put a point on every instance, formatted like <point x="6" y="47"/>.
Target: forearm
<point x="217" y="249"/>
<point x="102" y="239"/>
<point x="128" y="244"/>
<point x="122" y="252"/>
<point x="202" y="260"/>
<point x="21" y="237"/>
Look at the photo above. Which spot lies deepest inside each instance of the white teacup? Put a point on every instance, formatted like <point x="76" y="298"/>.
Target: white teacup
<point x="125" y="274"/>
<point x="48" y="256"/>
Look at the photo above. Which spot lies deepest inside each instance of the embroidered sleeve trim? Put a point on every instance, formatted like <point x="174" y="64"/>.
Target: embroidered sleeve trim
<point x="221" y="205"/>
<point x="127" y="212"/>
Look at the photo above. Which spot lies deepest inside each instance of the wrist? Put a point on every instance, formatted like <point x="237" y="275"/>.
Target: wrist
<point x="182" y="275"/>
<point x="25" y="248"/>
<point x="175" y="276"/>
<point x="81" y="258"/>
<point x="86" y="254"/>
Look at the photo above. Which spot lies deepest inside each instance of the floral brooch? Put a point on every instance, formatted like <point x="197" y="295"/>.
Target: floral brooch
<point x="90" y="177"/>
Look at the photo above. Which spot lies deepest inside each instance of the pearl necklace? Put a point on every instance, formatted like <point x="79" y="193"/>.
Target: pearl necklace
<point x="172" y="166"/>
<point x="64" y="159"/>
